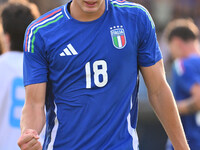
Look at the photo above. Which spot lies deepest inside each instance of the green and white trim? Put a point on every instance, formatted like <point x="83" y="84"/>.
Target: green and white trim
<point x="133" y="5"/>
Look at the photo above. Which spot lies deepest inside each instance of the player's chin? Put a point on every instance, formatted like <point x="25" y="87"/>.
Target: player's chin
<point x="90" y="10"/>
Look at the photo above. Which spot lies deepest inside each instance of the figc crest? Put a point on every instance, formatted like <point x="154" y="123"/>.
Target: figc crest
<point x="118" y="36"/>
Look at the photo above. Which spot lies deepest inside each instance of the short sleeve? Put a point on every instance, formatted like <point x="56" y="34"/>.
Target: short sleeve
<point x="187" y="75"/>
<point x="35" y="64"/>
<point x="148" y="48"/>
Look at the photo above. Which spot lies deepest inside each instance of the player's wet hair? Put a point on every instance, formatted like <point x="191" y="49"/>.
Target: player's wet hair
<point x="15" y="17"/>
<point x="182" y="28"/>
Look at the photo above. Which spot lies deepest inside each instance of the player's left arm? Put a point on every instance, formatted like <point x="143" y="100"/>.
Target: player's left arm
<point x="162" y="100"/>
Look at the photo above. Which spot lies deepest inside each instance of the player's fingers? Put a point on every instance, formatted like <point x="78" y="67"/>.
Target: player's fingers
<point x="29" y="145"/>
<point x="33" y="132"/>
<point x="32" y="142"/>
<point x="24" y="139"/>
<point x="36" y="146"/>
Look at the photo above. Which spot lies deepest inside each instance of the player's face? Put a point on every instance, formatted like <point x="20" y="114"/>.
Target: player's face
<point x="91" y="6"/>
<point x="175" y="49"/>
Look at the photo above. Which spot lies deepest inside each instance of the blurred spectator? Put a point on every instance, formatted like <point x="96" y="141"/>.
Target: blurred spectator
<point x="187" y="8"/>
<point x="46" y="5"/>
<point x="34" y="9"/>
<point x="2" y="1"/>
<point x="162" y="11"/>
<point x="15" y="18"/>
<point x="183" y="38"/>
<point x="165" y="10"/>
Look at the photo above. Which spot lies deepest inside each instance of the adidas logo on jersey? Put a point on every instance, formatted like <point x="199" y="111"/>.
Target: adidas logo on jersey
<point x="68" y="51"/>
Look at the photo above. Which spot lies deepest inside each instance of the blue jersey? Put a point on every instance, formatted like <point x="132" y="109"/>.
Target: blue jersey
<point x="186" y="73"/>
<point x="91" y="69"/>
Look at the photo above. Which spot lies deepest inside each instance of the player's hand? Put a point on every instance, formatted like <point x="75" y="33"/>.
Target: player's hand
<point x="29" y="140"/>
<point x="196" y="97"/>
<point x="196" y="103"/>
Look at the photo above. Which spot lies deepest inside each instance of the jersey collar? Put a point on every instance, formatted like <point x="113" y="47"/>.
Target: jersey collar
<point x="67" y="14"/>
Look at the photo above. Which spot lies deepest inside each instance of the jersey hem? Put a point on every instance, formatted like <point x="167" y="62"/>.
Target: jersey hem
<point x="152" y="63"/>
<point x="34" y="82"/>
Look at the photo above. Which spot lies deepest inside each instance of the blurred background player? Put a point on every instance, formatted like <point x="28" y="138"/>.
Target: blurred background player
<point x="183" y="38"/>
<point x="15" y="17"/>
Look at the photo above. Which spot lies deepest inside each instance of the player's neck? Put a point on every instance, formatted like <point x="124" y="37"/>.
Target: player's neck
<point x="84" y="13"/>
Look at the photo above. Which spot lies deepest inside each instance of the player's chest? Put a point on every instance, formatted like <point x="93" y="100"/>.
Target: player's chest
<point x="113" y="43"/>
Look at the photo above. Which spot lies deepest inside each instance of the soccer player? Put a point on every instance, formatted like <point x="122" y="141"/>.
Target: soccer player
<point x="183" y="38"/>
<point x="82" y="60"/>
<point x="15" y="18"/>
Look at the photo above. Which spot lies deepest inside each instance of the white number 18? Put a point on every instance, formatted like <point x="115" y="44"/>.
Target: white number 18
<point x="97" y="72"/>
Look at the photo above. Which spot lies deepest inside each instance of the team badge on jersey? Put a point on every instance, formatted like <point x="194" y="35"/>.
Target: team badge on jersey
<point x="118" y="36"/>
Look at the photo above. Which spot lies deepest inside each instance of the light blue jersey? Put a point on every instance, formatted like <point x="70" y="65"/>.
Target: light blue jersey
<point x="92" y="73"/>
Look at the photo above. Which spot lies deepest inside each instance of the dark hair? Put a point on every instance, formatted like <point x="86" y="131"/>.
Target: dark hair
<point x="15" y="18"/>
<point x="182" y="28"/>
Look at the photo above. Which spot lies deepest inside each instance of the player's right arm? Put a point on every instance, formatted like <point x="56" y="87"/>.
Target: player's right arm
<point x="35" y="75"/>
<point x="192" y="104"/>
<point x="33" y="117"/>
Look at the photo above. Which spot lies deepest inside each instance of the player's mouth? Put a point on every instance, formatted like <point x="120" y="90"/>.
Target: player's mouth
<point x="90" y="3"/>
